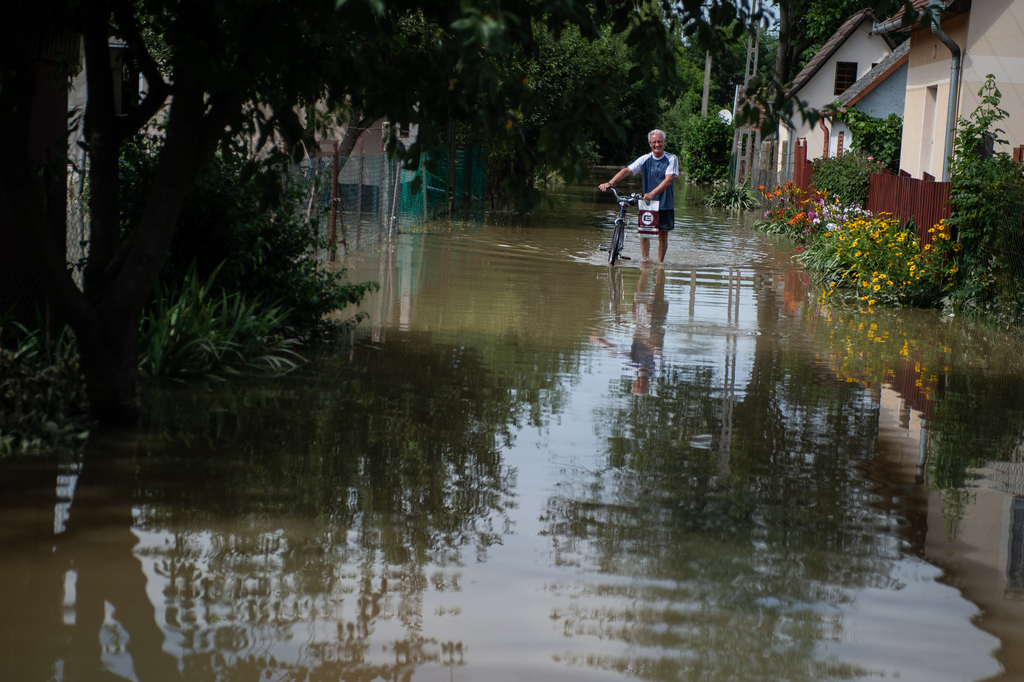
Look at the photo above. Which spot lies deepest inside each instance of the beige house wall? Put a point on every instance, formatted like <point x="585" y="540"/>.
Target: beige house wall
<point x="924" y="113"/>
<point x="995" y="45"/>
<point x="991" y="39"/>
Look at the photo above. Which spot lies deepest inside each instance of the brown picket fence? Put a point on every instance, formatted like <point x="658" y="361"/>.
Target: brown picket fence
<point x="924" y="202"/>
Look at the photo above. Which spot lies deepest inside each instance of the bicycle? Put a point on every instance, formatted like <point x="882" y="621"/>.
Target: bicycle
<point x="614" y="249"/>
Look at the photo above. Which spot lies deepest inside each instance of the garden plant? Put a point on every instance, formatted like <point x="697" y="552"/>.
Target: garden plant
<point x="987" y="214"/>
<point x="970" y="261"/>
<point x="732" y="197"/>
<point x="861" y="257"/>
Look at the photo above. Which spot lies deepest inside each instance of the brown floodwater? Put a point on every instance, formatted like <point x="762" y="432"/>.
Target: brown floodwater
<point x="527" y="465"/>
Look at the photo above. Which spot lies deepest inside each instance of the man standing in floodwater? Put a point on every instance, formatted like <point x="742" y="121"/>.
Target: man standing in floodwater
<point x="658" y="172"/>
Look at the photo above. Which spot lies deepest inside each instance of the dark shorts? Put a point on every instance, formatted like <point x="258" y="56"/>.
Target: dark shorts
<point x="666" y="220"/>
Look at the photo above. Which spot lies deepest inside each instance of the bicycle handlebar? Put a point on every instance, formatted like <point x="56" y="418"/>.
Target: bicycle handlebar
<point x="631" y="199"/>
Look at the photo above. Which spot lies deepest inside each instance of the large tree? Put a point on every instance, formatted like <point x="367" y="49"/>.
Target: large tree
<point x="215" y="69"/>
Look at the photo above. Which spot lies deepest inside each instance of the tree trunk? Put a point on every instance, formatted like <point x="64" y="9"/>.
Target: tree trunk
<point x="354" y="129"/>
<point x="110" y="360"/>
<point x="784" y="54"/>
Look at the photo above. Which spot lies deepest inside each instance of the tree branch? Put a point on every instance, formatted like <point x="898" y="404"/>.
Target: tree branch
<point x="128" y="29"/>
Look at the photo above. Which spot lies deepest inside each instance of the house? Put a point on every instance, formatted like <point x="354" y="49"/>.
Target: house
<point x="986" y="38"/>
<point x="879" y="93"/>
<point x="851" y="52"/>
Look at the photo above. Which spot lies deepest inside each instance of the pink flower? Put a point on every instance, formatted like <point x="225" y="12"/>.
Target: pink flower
<point x="799" y="248"/>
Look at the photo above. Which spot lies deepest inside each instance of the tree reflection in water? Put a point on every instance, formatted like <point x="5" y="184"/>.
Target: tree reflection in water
<point x="286" y="530"/>
<point x="728" y="525"/>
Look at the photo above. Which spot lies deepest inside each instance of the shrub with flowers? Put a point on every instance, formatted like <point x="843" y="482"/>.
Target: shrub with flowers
<point x="802" y="216"/>
<point x="877" y="261"/>
<point x="829" y="216"/>
<point x="788" y="211"/>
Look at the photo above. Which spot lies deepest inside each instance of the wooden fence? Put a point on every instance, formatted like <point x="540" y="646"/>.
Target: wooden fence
<point x="803" y="169"/>
<point x="925" y="202"/>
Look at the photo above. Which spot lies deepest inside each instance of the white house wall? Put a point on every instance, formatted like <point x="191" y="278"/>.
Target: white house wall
<point x="819" y="92"/>
<point x="884" y="99"/>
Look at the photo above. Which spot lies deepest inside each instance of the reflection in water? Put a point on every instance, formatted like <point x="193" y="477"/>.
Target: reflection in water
<point x="332" y="532"/>
<point x="736" y="537"/>
<point x="649" y="313"/>
<point x="531" y="465"/>
<point x="286" y="525"/>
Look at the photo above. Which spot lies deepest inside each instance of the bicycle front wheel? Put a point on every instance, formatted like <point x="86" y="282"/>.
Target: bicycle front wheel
<point x="617" y="239"/>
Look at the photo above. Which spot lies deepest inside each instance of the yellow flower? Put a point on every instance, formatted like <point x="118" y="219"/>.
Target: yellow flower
<point x="877" y="287"/>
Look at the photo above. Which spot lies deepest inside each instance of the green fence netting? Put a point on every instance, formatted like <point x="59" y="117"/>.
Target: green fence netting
<point x="376" y="198"/>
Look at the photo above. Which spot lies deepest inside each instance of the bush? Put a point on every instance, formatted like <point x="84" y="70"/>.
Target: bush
<point x="987" y="213"/>
<point x="846" y="177"/>
<point x="42" y="392"/>
<point x="707" y="145"/>
<point x="879" y="139"/>
<point x="732" y="197"/>
<point x="238" y="220"/>
<point x="676" y="121"/>
<point x="190" y="330"/>
<point x="871" y="259"/>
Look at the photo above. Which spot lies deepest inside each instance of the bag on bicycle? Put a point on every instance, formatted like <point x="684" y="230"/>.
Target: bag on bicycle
<point x="648" y="223"/>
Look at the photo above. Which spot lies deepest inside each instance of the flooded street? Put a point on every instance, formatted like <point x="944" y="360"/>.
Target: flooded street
<point x="528" y="465"/>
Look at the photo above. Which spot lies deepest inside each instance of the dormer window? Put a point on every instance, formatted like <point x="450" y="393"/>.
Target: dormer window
<point x="846" y="75"/>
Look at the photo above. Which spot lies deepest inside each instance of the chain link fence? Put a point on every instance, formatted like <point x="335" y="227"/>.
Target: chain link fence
<point x="77" y="235"/>
<point x="374" y="198"/>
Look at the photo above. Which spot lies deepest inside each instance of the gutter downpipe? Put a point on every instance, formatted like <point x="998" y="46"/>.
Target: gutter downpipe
<point x="824" y="128"/>
<point x="934" y="8"/>
<point x="954" y="83"/>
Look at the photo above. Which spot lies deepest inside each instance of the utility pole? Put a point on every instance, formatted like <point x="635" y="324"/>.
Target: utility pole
<point x="747" y="138"/>
<point x="707" y="84"/>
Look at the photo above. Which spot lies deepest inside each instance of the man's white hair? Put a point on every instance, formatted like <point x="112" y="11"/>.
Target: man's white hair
<point x="657" y="132"/>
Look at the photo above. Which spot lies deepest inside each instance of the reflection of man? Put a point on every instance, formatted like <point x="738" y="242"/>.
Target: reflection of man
<point x="650" y="311"/>
<point x="658" y="172"/>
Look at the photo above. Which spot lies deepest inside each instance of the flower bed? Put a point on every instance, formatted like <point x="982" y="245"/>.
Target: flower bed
<point x="859" y="256"/>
